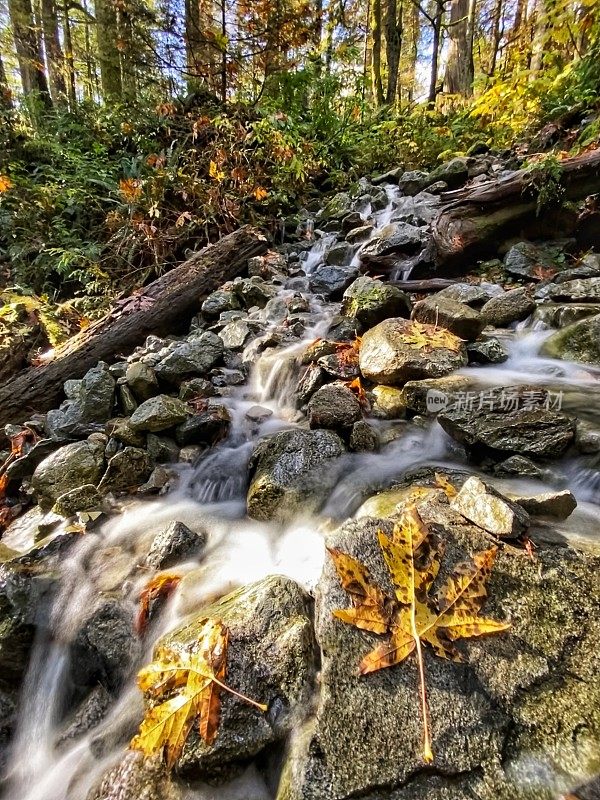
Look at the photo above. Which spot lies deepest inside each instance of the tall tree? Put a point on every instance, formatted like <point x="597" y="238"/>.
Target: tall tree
<point x="497" y="34"/>
<point x="376" y="66"/>
<point x="69" y="57"/>
<point x="55" y="59"/>
<point x="27" y="46"/>
<point x="459" y="66"/>
<point x="393" y="41"/>
<point x="108" y="49"/>
<point x="437" y="21"/>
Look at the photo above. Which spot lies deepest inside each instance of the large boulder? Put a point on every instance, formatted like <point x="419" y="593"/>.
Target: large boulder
<point x="512" y="306"/>
<point x="534" y="262"/>
<point x="293" y="471"/>
<point x="70" y="466"/>
<point x="195" y="356"/>
<point x="454" y="173"/>
<point x="142" y="380"/>
<point x="331" y="281"/>
<point x="578" y="342"/>
<point x="388" y="356"/>
<point x="456" y="317"/>
<point x="270" y="658"/>
<point x="128" y="468"/>
<point x="89" y="402"/>
<point x="397" y="237"/>
<point x="511" y="420"/>
<point x="159" y="414"/>
<point x="471" y="294"/>
<point x="520" y="717"/>
<point x="371" y="301"/>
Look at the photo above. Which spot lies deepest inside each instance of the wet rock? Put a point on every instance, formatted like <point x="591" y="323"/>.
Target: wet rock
<point x="512" y="306"/>
<point x="235" y="334"/>
<point x="311" y="379"/>
<point x="192" y="357"/>
<point x="271" y="658"/>
<point x="587" y="437"/>
<point x="142" y="381"/>
<point x="482" y="505"/>
<point x="556" y="505"/>
<point x="196" y="388"/>
<point x="511" y="420"/>
<point x="578" y="342"/>
<point x="292" y="470"/>
<point x="489" y="350"/>
<point x="332" y="281"/>
<point x="121" y="430"/>
<point x="370" y="301"/>
<point x="136" y="778"/>
<point x="174" y="544"/>
<point x="83" y="498"/>
<point x="126" y="399"/>
<point x="333" y="406"/>
<point x="70" y="466"/>
<point x="523" y="467"/>
<point x="25" y="465"/>
<point x="586" y="290"/>
<point x="105" y="647"/>
<point x="159" y="414"/>
<point x="521" y="695"/>
<point x="220" y="301"/>
<point x="527" y="260"/>
<point x="318" y="349"/>
<point x="90" y="402"/>
<point x="191" y="453"/>
<point x="258" y="414"/>
<point x="433" y="395"/>
<point x="471" y="294"/>
<point x="254" y="291"/>
<point x="339" y="255"/>
<point x="340" y="366"/>
<point x="162" y="449"/>
<point x="387" y="402"/>
<point x="158" y="482"/>
<point x="456" y="317"/>
<point x="559" y="315"/>
<point x="413" y="182"/>
<point x="339" y="206"/>
<point x="359" y="235"/>
<point x="343" y="329"/>
<point x="89" y="714"/>
<point x="387" y="357"/>
<point x="397" y="237"/>
<point x="209" y="427"/>
<point x="391" y="176"/>
<point x="454" y="173"/>
<point x="126" y="469"/>
<point x="364" y="438"/>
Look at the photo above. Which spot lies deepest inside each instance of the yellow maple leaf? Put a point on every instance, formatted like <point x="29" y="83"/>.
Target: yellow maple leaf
<point x="415" y="616"/>
<point x="215" y="172"/>
<point x="422" y="336"/>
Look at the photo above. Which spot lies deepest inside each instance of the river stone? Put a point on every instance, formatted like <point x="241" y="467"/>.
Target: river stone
<point x="391" y="176"/>
<point x="311" y="379"/>
<point x="270" y="658"/>
<point x="559" y="315"/>
<point x="339" y="255"/>
<point x="254" y="291"/>
<point x="387" y="402"/>
<point x="413" y="182"/>
<point x="371" y="301"/>
<point x="339" y="206"/>
<point x="434" y="394"/>
<point x="512" y="306"/>
<point x="331" y="281"/>
<point x="90" y="402"/>
<point x="524" y="705"/>
<point x="208" y="427"/>
<point x="235" y="334"/>
<point x="510" y="420"/>
<point x="219" y="301"/>
<point x="195" y="356"/>
<point x="128" y="468"/>
<point x="162" y="449"/>
<point x="26" y="464"/>
<point x="142" y="381"/>
<point x="71" y="466"/>
<point x="359" y="235"/>
<point x="397" y="237"/>
<point x="489" y="350"/>
<point x="587" y="437"/>
<point x="105" y="647"/>
<point x="586" y="290"/>
<point x="454" y="173"/>
<point x="386" y="357"/>
<point x="527" y="260"/>
<point x="293" y="471"/>
<point x="363" y="438"/>
<point x="482" y="505"/>
<point x="333" y="406"/>
<point x="557" y="505"/>
<point x="578" y="342"/>
<point x="173" y="544"/>
<point x="196" y="388"/>
<point x="159" y="414"/>
<point x="135" y="777"/>
<point x="83" y="498"/>
<point x="471" y="294"/>
<point x="459" y="319"/>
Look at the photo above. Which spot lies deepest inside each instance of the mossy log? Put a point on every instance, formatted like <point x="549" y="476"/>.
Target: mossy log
<point x="161" y="307"/>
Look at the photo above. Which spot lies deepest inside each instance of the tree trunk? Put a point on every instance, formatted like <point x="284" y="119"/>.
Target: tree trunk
<point x="165" y="304"/>
<point x="55" y="59"/>
<point x="459" y="69"/>
<point x="393" y="38"/>
<point x="69" y="59"/>
<point x="376" y="58"/>
<point x="435" y="53"/>
<point x="108" y="52"/>
<point x="29" y="56"/>
<point x="497" y="34"/>
<point x="539" y="39"/>
<point x="5" y="96"/>
<point x="472" y="221"/>
<point x="414" y="51"/>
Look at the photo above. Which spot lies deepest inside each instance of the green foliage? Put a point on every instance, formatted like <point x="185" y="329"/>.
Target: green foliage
<point x="544" y="181"/>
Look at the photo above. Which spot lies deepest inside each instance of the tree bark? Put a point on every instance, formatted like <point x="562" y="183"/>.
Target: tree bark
<point x="459" y="70"/>
<point x="108" y="52"/>
<point x="5" y="95"/>
<point x="29" y="56"/>
<point x="472" y="221"/>
<point x="497" y="33"/>
<point x="435" y="53"/>
<point x="376" y="57"/>
<point x="69" y="57"/>
<point x="393" y="40"/>
<point x="164" y="305"/>
<point x="55" y="59"/>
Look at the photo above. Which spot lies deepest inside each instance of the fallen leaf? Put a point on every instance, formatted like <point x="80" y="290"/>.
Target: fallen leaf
<point x="187" y="689"/>
<point x="422" y="336"/>
<point x="415" y="615"/>
<point x="442" y="482"/>
<point x="156" y="590"/>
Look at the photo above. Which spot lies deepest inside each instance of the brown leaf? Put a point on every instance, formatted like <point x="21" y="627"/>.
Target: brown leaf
<point x="158" y="589"/>
<point x="422" y="336"/>
<point x="416" y="615"/>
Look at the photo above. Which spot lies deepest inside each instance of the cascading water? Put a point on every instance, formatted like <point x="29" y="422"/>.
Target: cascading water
<point x="211" y="495"/>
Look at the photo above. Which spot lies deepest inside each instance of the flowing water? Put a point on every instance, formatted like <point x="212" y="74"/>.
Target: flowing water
<point x="211" y="495"/>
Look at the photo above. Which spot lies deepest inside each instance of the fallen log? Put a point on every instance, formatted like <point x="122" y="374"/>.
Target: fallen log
<point x="425" y="285"/>
<point x="475" y="219"/>
<point x="163" y="306"/>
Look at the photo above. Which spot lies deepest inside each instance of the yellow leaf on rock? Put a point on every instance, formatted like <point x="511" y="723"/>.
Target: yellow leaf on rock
<point x="422" y="336"/>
